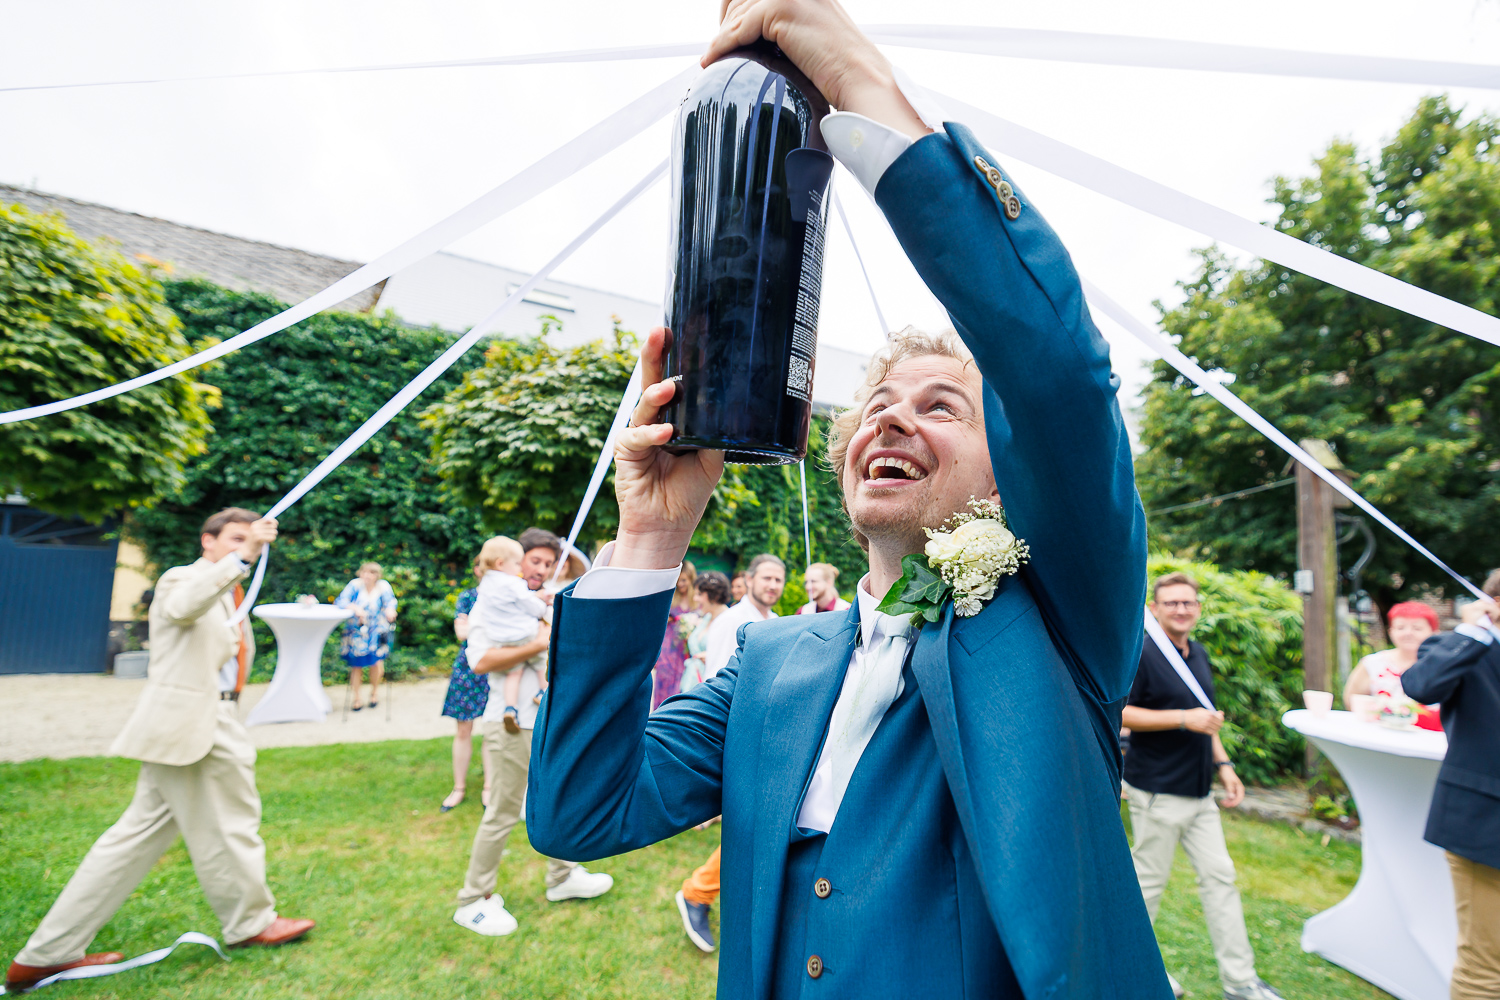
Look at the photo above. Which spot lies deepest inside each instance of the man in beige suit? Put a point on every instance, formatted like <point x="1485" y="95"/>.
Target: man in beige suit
<point x="197" y="768"/>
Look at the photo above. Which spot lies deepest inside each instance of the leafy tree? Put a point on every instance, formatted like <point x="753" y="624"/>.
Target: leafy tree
<point x="287" y="402"/>
<point x="1252" y="630"/>
<point x="1409" y="406"/>
<point x="76" y="316"/>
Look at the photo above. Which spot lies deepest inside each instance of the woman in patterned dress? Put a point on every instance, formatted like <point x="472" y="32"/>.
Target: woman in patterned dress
<point x="468" y="694"/>
<point x="367" y="633"/>
<point x="667" y="673"/>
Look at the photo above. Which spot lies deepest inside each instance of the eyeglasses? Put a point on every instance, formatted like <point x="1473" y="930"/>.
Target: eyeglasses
<point x="1178" y="605"/>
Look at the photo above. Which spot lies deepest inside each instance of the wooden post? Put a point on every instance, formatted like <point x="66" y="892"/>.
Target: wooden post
<point x="1317" y="558"/>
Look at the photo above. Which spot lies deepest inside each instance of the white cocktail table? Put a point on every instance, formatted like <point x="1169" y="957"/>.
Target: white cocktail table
<point x="1397" y="928"/>
<point x="296" y="690"/>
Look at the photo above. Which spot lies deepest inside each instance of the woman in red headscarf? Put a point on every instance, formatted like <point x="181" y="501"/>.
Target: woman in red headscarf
<point x="1409" y="624"/>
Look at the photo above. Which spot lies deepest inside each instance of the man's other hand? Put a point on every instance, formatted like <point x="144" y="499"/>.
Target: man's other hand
<point x="661" y="496"/>
<point x="1201" y="720"/>
<point x="1234" y="788"/>
<point x="262" y="533"/>
<point x="1475" y="610"/>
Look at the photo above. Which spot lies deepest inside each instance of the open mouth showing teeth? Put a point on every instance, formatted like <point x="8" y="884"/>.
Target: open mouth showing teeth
<point x="894" y="468"/>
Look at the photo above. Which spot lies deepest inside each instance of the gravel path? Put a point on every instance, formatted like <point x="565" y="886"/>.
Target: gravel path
<point x="78" y="715"/>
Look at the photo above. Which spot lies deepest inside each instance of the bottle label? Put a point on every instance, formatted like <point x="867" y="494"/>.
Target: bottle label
<point x="809" y="286"/>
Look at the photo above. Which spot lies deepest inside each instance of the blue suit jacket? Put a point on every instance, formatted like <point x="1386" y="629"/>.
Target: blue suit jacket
<point x="1023" y="699"/>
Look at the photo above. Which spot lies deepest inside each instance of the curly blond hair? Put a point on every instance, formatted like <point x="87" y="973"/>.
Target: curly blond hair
<point x="903" y="346"/>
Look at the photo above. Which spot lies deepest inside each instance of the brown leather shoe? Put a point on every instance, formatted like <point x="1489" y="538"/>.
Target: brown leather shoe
<point x="24" y="977"/>
<point x="282" y="930"/>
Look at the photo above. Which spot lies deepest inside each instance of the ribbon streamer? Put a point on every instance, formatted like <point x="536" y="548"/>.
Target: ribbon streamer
<point x="632" y="395"/>
<point x="1195" y="374"/>
<point x="885" y="331"/>
<point x="149" y="958"/>
<point x="556" y="166"/>
<point x="1014" y="43"/>
<point x="430" y="374"/>
<point x="1166" y="203"/>
<point x="806" y="523"/>
<point x="1174" y="658"/>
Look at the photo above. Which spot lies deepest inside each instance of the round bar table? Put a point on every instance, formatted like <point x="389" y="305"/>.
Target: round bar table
<point x="296" y="690"/>
<point x="1397" y="928"/>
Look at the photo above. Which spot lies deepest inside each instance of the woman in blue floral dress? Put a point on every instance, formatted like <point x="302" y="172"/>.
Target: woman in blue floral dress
<point x="367" y="632"/>
<point x="468" y="694"/>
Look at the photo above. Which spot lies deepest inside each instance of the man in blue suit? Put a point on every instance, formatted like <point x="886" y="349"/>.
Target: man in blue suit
<point x="930" y="814"/>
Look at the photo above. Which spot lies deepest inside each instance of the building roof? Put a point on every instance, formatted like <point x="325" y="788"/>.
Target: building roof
<point x="289" y="274"/>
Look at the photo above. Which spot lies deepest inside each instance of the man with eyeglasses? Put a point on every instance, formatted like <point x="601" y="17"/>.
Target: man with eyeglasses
<point x="1175" y="752"/>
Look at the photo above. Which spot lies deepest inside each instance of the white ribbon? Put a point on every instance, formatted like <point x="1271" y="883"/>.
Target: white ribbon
<point x="806" y="523"/>
<point x="885" y="331"/>
<point x="1174" y="657"/>
<point x="149" y="958"/>
<point x="431" y="373"/>
<point x="1015" y="43"/>
<point x="1165" y="53"/>
<point x="1195" y="374"/>
<point x="556" y="166"/>
<point x="606" y="455"/>
<point x="1166" y="203"/>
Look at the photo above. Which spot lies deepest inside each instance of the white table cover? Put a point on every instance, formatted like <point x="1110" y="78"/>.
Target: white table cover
<point x="1397" y="928"/>
<point x="296" y="690"/>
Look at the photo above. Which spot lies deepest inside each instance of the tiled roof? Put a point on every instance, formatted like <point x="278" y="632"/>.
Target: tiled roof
<point x="289" y="274"/>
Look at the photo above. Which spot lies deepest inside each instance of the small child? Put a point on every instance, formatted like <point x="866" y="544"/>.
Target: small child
<point x="505" y="613"/>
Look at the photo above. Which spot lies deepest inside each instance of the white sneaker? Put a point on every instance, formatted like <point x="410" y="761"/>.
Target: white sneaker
<point x="1256" y="989"/>
<point x="580" y="884"/>
<point x="487" y="916"/>
<point x="1177" y="990"/>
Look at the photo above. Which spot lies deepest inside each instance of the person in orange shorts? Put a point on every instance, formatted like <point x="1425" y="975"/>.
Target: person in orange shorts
<point x="697" y="895"/>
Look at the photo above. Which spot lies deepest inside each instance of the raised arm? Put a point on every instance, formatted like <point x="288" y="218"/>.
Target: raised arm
<point x="1058" y="443"/>
<point x="195" y="589"/>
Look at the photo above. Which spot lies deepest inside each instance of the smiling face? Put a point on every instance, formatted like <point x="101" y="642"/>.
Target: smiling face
<point x="536" y="566"/>
<point x="1408" y="634"/>
<point x="919" y="452"/>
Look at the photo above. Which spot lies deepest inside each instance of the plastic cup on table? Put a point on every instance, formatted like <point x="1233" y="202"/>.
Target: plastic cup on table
<point x="1318" y="702"/>
<point x="1365" y="709"/>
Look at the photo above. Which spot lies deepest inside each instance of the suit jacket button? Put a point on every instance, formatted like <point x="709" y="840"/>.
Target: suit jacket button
<point x="822" y="888"/>
<point x="1013" y="207"/>
<point x="815" y="966"/>
<point x="1006" y="191"/>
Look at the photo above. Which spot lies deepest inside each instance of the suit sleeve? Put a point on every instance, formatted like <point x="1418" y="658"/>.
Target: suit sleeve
<point x="1058" y="443"/>
<point x="1440" y="668"/>
<point x="607" y="774"/>
<point x="199" y="588"/>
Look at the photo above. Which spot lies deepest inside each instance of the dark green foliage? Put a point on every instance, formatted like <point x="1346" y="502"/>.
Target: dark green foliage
<point x="1252" y="629"/>
<point x="1409" y="406"/>
<point x="287" y="402"/>
<point x="74" y="317"/>
<point x="920" y="591"/>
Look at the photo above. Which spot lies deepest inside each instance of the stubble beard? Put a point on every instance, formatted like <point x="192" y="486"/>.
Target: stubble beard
<point x="890" y="524"/>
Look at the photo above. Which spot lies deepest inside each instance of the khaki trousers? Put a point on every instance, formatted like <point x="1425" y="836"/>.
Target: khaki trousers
<point x="1161" y="822"/>
<point x="509" y="758"/>
<point x="1476" y="895"/>
<point x="214" y="805"/>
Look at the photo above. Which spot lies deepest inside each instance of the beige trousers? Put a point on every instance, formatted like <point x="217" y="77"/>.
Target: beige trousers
<point x="1476" y="895"/>
<point x="214" y="805"/>
<point x="1161" y="822"/>
<point x="509" y="758"/>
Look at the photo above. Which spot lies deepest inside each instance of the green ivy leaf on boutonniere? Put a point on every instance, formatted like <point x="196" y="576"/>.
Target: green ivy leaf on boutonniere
<point x="920" y="592"/>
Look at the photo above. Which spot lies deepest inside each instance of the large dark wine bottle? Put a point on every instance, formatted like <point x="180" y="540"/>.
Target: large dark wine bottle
<point x="750" y="173"/>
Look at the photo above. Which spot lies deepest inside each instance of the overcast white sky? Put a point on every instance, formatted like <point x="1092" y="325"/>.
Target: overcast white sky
<point x="351" y="165"/>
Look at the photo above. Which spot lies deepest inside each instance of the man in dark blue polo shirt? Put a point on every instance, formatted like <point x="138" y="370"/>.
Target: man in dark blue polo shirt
<point x="1174" y="753"/>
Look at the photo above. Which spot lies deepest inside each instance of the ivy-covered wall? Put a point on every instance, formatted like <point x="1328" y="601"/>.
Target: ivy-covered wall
<point x="286" y="402"/>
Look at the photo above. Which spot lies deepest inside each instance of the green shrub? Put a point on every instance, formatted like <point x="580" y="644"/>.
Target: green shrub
<point x="1252" y="630"/>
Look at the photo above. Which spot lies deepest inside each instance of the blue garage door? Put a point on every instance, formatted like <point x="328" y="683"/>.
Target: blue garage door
<point x="55" y="581"/>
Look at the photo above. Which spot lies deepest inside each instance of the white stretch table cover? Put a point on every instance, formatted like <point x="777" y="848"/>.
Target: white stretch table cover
<point x="296" y="692"/>
<point x="1397" y="928"/>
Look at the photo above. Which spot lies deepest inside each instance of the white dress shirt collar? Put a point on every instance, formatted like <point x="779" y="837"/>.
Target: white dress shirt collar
<point x="871" y="620"/>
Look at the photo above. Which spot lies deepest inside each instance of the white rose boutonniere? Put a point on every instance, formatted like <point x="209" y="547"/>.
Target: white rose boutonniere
<point x="964" y="560"/>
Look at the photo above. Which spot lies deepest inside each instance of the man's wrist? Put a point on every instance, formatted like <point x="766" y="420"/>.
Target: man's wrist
<point x="653" y="551"/>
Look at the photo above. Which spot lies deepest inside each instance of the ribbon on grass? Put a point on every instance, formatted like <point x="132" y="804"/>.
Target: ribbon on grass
<point x="1195" y="374"/>
<point x="431" y="373"/>
<point x="1164" y="202"/>
<point x="558" y="165"/>
<point x="149" y="958"/>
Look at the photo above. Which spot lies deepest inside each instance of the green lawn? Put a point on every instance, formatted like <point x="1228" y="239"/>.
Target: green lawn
<point x="357" y="843"/>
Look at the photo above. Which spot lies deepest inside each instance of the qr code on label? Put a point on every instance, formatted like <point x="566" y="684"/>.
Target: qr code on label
<point x="798" y="378"/>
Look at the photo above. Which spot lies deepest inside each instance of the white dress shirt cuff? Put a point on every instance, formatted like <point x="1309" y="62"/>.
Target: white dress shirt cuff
<point x="1478" y="632"/>
<point x="864" y="146"/>
<point x="609" y="583"/>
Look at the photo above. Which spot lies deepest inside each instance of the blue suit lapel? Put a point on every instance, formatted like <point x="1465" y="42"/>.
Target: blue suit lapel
<point x="798" y="705"/>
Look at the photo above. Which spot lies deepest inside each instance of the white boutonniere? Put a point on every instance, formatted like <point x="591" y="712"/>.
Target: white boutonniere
<point x="964" y="560"/>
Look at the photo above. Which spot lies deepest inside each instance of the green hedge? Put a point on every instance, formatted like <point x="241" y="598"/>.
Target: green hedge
<point x="286" y="403"/>
<point x="1252" y="629"/>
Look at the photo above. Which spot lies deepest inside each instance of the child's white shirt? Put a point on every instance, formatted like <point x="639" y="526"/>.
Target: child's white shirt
<point x="505" y="613"/>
